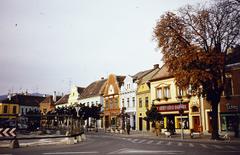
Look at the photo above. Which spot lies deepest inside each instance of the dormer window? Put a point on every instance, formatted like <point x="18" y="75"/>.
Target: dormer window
<point x="110" y="90"/>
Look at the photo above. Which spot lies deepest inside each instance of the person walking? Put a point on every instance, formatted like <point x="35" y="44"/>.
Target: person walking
<point x="157" y="128"/>
<point x="128" y="128"/>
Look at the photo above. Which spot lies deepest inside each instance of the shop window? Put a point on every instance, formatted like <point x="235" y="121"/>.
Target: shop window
<point x="228" y="122"/>
<point x="140" y="102"/>
<point x="5" y="109"/>
<point x="195" y="109"/>
<point x="178" y="122"/>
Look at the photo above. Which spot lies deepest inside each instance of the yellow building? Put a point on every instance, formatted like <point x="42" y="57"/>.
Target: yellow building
<point x="169" y="99"/>
<point x="8" y="109"/>
<point x="143" y="96"/>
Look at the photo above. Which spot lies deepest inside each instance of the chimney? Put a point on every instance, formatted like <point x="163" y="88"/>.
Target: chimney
<point x="156" y="66"/>
<point x="54" y="96"/>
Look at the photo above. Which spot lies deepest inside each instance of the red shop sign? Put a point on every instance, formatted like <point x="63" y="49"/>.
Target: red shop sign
<point x="172" y="107"/>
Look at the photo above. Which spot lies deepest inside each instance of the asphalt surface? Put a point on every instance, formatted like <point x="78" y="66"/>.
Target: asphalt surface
<point x="103" y="144"/>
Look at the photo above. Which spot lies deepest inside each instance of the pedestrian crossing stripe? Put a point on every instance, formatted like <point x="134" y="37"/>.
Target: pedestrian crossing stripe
<point x="169" y="143"/>
<point x="217" y="146"/>
<point x="231" y="147"/>
<point x="134" y="140"/>
<point x="180" y="144"/>
<point x="191" y="145"/>
<point x="203" y="145"/>
<point x="160" y="142"/>
<point x="149" y="142"/>
<point x="141" y="141"/>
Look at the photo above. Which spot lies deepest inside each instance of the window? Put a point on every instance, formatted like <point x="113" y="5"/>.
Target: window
<point x="14" y="109"/>
<point x="106" y="104"/>
<point x="140" y="102"/>
<point x="159" y="93"/>
<point x="123" y="102"/>
<point x="167" y="92"/>
<point x="228" y="90"/>
<point x="133" y="100"/>
<point x="128" y="102"/>
<point x="180" y="92"/>
<point x="5" y="109"/>
<point x="146" y="102"/>
<point x="195" y="109"/>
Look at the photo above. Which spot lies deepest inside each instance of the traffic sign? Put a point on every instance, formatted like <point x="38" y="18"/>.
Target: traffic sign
<point x="7" y="132"/>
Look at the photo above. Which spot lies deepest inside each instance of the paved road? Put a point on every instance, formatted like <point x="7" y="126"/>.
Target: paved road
<point x="106" y="144"/>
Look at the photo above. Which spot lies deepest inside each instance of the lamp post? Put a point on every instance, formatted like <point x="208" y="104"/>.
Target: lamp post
<point x="181" y="111"/>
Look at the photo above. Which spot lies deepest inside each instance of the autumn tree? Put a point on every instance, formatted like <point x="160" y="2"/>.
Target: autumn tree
<point x="194" y="42"/>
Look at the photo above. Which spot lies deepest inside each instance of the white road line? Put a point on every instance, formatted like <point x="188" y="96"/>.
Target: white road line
<point x="149" y="142"/>
<point x="203" y="145"/>
<point x="231" y="147"/>
<point x="169" y="143"/>
<point x="134" y="140"/>
<point x="180" y="144"/>
<point x="141" y="141"/>
<point x="160" y="142"/>
<point x="49" y="153"/>
<point x="135" y="151"/>
<point x="191" y="145"/>
<point x="5" y="154"/>
<point x="217" y="146"/>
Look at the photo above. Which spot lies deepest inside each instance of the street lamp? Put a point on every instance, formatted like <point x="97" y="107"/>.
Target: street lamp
<point x="181" y="111"/>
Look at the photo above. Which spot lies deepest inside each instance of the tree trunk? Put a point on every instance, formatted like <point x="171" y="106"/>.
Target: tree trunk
<point x="214" y="115"/>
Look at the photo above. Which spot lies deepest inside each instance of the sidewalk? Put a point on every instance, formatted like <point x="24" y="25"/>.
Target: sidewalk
<point x="176" y="137"/>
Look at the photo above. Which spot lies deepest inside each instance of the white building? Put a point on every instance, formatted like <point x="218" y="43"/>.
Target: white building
<point x="92" y="95"/>
<point x="128" y="99"/>
<point x="75" y="95"/>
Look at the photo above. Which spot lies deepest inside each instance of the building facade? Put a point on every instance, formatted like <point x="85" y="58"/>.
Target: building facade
<point x="111" y="97"/>
<point x="128" y="99"/>
<point x="75" y="95"/>
<point x="143" y="96"/>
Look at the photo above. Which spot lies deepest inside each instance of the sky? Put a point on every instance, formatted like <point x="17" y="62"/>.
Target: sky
<point x="50" y="45"/>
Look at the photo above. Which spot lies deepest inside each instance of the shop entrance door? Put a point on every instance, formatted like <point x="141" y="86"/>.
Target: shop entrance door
<point x="106" y="121"/>
<point x="209" y="122"/>
<point x="196" y="123"/>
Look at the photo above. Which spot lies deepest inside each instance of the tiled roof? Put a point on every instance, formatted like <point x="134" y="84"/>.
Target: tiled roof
<point x="139" y="75"/>
<point x="49" y="99"/>
<point x="162" y="73"/>
<point x="80" y="89"/>
<point x="63" y="100"/>
<point x="24" y="100"/>
<point x="94" y="89"/>
<point x="120" y="80"/>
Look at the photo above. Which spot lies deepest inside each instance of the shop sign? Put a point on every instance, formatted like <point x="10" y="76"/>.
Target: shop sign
<point x="231" y="107"/>
<point x="172" y="107"/>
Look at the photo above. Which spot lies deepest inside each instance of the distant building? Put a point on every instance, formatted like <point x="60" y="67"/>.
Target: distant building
<point x="62" y="102"/>
<point x="93" y="95"/>
<point x="75" y="95"/>
<point x="48" y="104"/>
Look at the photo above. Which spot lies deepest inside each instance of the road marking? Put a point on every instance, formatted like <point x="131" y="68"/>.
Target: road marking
<point x="129" y="139"/>
<point x="228" y="151"/>
<point x="149" y="142"/>
<point x="203" y="145"/>
<point x="191" y="145"/>
<point x="135" y="151"/>
<point x="135" y="140"/>
<point x="217" y="146"/>
<point x="5" y="154"/>
<point x="160" y="142"/>
<point x="179" y="144"/>
<point x="93" y="152"/>
<point x="231" y="147"/>
<point x="141" y="141"/>
<point x="169" y="143"/>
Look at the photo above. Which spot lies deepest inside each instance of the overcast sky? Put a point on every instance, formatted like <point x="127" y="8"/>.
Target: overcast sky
<point x="48" y="45"/>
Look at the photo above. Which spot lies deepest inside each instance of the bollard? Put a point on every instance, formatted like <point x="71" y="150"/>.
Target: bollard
<point x="79" y="138"/>
<point x="70" y="140"/>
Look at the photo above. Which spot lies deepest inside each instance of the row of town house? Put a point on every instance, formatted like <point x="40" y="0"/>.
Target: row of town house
<point x="136" y="94"/>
